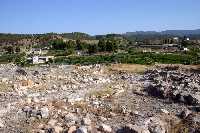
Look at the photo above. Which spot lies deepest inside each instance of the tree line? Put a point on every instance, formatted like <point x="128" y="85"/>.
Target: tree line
<point x="104" y="45"/>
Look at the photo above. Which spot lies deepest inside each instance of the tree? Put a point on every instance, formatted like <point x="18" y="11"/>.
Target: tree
<point x="102" y="45"/>
<point x="17" y="49"/>
<point x="93" y="48"/>
<point x="70" y="51"/>
<point x="21" y="59"/>
<point x="115" y="45"/>
<point x="70" y="44"/>
<point x="9" y="49"/>
<point x="111" y="45"/>
<point x="79" y="45"/>
<point x="58" y="44"/>
<point x="185" y="43"/>
<point x="70" y="47"/>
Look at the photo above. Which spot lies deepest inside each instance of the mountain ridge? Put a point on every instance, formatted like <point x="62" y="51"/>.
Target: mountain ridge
<point x="166" y="32"/>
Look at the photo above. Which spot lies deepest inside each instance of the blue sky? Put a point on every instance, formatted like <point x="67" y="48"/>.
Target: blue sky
<point x="97" y="16"/>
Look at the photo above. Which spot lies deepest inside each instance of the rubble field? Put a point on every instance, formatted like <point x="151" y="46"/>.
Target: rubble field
<point x="99" y="99"/>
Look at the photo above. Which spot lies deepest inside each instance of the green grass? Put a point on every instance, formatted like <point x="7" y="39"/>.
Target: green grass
<point x="130" y="58"/>
<point x="7" y="58"/>
<point x="125" y="58"/>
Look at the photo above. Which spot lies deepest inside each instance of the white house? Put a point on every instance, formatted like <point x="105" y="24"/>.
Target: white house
<point x="40" y="59"/>
<point x="36" y="51"/>
<point x="185" y="49"/>
<point x="176" y="38"/>
<point x="35" y="59"/>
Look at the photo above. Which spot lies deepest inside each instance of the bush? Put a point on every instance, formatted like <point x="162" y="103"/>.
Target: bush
<point x="20" y="60"/>
<point x="7" y="58"/>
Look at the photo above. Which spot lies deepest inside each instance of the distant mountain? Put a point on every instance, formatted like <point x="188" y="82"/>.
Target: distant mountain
<point x="167" y="32"/>
<point x="141" y="33"/>
<point x="182" y="32"/>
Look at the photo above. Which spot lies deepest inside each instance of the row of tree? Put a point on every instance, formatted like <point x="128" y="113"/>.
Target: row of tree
<point x="104" y="45"/>
<point x="11" y="49"/>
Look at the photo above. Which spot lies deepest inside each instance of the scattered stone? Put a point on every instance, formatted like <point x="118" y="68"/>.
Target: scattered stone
<point x="195" y="108"/>
<point x="155" y="125"/>
<point x="72" y="129"/>
<point x="132" y="129"/>
<point x="35" y="100"/>
<point x="27" y="83"/>
<point x="36" y="73"/>
<point x="82" y="129"/>
<point x="164" y="111"/>
<point x="71" y="119"/>
<point x="41" y="131"/>
<point x="184" y="113"/>
<point x="1" y="124"/>
<point x="50" y="130"/>
<point x="43" y="95"/>
<point x="21" y="71"/>
<point x="52" y="122"/>
<point x="28" y="111"/>
<point x="28" y="100"/>
<point x="4" y="80"/>
<point x="173" y="84"/>
<point x="44" y="112"/>
<point x="105" y="128"/>
<point x="87" y="121"/>
<point x="103" y="118"/>
<point x="58" y="129"/>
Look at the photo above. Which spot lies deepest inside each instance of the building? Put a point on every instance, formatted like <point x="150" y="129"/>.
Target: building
<point x="38" y="51"/>
<point x="40" y="59"/>
<point x="185" y="49"/>
<point x="160" y="48"/>
<point x="176" y="40"/>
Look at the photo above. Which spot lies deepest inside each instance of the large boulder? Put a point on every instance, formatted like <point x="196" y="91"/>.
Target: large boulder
<point x="133" y="129"/>
<point x="21" y="71"/>
<point x="173" y="84"/>
<point x="44" y="112"/>
<point x="156" y="125"/>
<point x="105" y="128"/>
<point x="186" y="98"/>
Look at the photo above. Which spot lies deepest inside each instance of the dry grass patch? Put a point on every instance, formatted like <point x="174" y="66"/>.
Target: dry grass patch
<point x="5" y="87"/>
<point x="133" y="68"/>
<point x="106" y="92"/>
<point x="179" y="66"/>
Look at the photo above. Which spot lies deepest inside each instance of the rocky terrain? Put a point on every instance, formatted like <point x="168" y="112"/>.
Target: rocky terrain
<point x="97" y="99"/>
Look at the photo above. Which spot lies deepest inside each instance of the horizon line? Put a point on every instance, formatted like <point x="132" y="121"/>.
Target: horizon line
<point x="101" y="33"/>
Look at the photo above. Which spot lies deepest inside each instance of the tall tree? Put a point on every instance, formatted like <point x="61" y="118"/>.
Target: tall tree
<point x="92" y="48"/>
<point x="58" y="44"/>
<point x="79" y="45"/>
<point x="102" y="45"/>
<point x="9" y="49"/>
<point x="17" y="49"/>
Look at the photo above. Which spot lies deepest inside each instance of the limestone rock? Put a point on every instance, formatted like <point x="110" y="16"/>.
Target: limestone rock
<point x="106" y="128"/>
<point x="52" y="122"/>
<point x="58" y="129"/>
<point x="44" y="112"/>
<point x="82" y="129"/>
<point x="86" y="121"/>
<point x="155" y="125"/>
<point x="72" y="129"/>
